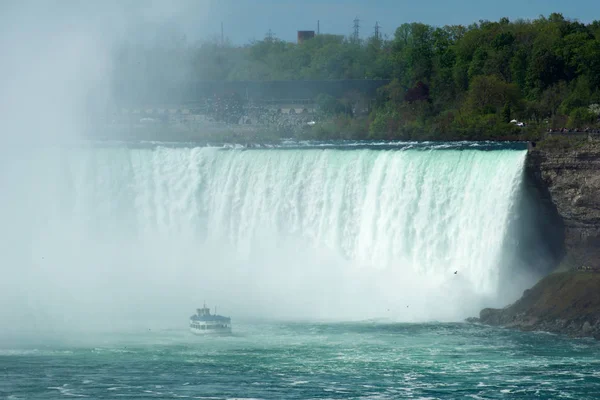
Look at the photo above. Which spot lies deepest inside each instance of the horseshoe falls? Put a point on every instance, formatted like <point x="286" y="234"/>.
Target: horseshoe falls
<point x="108" y="237"/>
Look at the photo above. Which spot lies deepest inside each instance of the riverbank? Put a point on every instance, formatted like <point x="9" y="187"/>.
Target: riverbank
<point x="325" y="130"/>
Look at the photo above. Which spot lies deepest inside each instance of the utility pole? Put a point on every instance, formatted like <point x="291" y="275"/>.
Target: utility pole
<point x="222" y="37"/>
<point x="318" y="27"/>
<point x="377" y="27"/>
<point x="355" y="35"/>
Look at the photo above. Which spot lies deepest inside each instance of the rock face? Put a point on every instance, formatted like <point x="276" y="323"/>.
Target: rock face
<point x="565" y="303"/>
<point x="563" y="185"/>
<point x="568" y="182"/>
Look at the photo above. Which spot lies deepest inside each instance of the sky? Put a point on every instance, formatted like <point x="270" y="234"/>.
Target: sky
<point x="246" y="20"/>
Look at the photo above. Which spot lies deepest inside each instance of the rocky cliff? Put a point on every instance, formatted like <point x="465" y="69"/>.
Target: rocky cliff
<point x="568" y="183"/>
<point x="564" y="182"/>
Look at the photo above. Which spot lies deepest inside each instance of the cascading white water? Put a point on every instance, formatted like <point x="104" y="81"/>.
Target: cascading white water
<point x="297" y="233"/>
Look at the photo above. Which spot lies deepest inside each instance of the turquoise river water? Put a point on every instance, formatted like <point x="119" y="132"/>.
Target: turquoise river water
<point x="264" y="360"/>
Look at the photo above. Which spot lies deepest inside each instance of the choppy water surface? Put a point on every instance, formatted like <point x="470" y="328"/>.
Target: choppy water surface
<point x="304" y="361"/>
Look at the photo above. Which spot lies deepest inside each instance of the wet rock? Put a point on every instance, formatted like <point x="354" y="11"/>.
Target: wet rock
<point x="563" y="303"/>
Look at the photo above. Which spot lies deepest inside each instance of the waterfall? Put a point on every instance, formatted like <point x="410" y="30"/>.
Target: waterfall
<point x="306" y="233"/>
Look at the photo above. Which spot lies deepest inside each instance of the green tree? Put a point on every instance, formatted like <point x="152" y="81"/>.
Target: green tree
<point x="488" y="93"/>
<point x="580" y="118"/>
<point x="506" y="112"/>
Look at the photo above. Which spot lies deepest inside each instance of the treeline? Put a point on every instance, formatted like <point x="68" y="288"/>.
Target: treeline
<point x="448" y="82"/>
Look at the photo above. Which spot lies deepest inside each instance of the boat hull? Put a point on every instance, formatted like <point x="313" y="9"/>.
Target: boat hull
<point x="210" y="332"/>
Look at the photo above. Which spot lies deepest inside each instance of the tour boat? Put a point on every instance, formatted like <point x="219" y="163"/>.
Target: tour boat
<point x="205" y="323"/>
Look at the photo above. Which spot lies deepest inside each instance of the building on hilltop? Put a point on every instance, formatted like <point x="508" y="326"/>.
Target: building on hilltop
<point x="305" y="35"/>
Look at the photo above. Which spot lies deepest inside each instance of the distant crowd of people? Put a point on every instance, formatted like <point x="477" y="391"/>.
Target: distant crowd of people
<point x="574" y="130"/>
<point x="587" y="269"/>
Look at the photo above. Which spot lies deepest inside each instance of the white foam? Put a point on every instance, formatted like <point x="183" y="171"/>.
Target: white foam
<point x="304" y="233"/>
